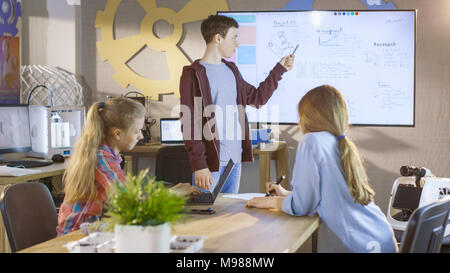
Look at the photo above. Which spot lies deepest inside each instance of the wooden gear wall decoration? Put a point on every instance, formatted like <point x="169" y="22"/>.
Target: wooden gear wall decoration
<point x="119" y="51"/>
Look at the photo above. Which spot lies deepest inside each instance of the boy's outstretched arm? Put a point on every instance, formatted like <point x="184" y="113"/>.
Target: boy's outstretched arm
<point x="257" y="97"/>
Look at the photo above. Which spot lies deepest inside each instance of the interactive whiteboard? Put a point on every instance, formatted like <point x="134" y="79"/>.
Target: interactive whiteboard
<point x="367" y="55"/>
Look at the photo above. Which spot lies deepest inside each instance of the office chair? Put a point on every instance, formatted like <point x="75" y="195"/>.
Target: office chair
<point x="426" y="227"/>
<point x="29" y="214"/>
<point x="445" y="248"/>
<point x="172" y="165"/>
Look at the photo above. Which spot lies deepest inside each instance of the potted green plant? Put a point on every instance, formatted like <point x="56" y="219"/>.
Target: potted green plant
<point x="142" y="211"/>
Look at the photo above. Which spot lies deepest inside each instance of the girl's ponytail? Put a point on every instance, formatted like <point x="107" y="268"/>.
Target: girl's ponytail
<point x="324" y="109"/>
<point x="80" y="172"/>
<point x="355" y="174"/>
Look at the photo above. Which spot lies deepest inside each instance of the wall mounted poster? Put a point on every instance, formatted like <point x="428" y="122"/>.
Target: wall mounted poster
<point x="9" y="70"/>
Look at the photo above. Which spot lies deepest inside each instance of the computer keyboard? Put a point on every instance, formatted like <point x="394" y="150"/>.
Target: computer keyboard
<point x="202" y="198"/>
<point x="28" y="163"/>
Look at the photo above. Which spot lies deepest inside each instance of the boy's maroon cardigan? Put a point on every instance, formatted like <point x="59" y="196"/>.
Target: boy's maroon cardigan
<point x="204" y="153"/>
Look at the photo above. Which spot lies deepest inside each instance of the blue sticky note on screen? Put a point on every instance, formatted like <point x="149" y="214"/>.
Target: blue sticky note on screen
<point x="246" y="55"/>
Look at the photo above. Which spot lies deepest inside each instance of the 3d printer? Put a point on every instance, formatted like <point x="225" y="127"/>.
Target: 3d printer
<point x="148" y="122"/>
<point x="55" y="129"/>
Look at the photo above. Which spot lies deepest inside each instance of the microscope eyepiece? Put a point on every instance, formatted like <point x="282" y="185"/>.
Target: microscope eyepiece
<point x="407" y="170"/>
<point x="413" y="171"/>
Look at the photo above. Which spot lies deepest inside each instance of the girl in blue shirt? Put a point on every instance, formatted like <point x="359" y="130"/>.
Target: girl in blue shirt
<point x="329" y="179"/>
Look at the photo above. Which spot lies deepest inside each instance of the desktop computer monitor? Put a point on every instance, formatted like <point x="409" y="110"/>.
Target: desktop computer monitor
<point x="14" y="128"/>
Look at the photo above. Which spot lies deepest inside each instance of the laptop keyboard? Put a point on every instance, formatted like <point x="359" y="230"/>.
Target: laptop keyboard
<point x="202" y="198"/>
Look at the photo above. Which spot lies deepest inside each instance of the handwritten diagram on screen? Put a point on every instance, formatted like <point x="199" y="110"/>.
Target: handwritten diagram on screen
<point x="367" y="55"/>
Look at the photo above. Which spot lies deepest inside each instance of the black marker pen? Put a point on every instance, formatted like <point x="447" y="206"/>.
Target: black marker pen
<point x="278" y="183"/>
<point x="295" y="49"/>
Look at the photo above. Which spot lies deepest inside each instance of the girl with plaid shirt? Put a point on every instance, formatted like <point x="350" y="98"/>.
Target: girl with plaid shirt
<point x="111" y="127"/>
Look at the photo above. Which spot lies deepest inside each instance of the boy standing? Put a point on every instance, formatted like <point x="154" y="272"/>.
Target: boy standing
<point x="215" y="88"/>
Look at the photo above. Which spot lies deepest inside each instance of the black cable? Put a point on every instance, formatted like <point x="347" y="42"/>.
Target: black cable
<point x="134" y="92"/>
<point x="32" y="90"/>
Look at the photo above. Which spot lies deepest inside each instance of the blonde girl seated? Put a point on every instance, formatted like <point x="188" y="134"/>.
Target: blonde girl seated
<point x="111" y="127"/>
<point x="329" y="180"/>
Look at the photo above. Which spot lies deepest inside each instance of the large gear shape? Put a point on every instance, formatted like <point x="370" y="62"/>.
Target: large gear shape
<point x="119" y="51"/>
<point x="9" y="8"/>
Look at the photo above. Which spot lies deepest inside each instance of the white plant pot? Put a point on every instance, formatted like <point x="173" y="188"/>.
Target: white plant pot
<point x="140" y="239"/>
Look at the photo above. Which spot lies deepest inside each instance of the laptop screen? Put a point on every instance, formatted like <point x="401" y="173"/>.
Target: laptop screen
<point x="223" y="178"/>
<point x="171" y="130"/>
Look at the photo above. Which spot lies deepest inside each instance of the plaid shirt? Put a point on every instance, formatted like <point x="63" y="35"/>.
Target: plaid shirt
<point x="108" y="170"/>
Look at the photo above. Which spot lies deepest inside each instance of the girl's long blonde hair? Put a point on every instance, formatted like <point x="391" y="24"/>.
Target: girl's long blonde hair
<point x="79" y="177"/>
<point x="324" y="109"/>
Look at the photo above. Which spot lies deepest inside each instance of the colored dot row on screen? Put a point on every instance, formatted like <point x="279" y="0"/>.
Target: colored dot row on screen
<point x="346" y="13"/>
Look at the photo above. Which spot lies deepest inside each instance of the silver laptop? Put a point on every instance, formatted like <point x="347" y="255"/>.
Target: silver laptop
<point x="170" y="131"/>
<point x="208" y="198"/>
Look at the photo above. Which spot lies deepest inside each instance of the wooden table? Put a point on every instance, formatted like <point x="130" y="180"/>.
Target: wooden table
<point x="276" y="151"/>
<point x="53" y="170"/>
<point x="233" y="228"/>
<point x="47" y="171"/>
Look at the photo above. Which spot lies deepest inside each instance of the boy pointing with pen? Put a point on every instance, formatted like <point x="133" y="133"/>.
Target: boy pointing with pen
<point x="212" y="86"/>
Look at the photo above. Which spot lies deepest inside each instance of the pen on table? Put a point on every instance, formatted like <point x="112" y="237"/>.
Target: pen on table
<point x="295" y="49"/>
<point x="278" y="183"/>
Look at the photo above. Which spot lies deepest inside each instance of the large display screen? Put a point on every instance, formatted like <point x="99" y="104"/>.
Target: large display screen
<point x="369" y="56"/>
